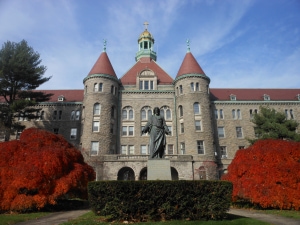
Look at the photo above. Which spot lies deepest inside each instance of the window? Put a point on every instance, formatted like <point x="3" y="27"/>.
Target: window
<point x="216" y="114"/>
<point x="197" y="86"/>
<point x="200" y="147"/>
<point x="198" y="125"/>
<point x="60" y="98"/>
<point x="241" y="147"/>
<point x="221" y="114"/>
<point x="180" y="89"/>
<point x="96" y="126"/>
<point x="100" y="87"/>
<point x="151" y="85"/>
<point x="181" y="128"/>
<point x="112" y="89"/>
<point x="127" y="130"/>
<point x="196" y="108"/>
<point x="232" y="97"/>
<point x="223" y="151"/>
<point x="170" y="129"/>
<point x="21" y="117"/>
<point x="94" y="147"/>
<point x="131" y="149"/>
<point x="180" y="110"/>
<point x="111" y="128"/>
<point x="182" y="148"/>
<point x="124" y="149"/>
<point x="54" y="115"/>
<point x="267" y="97"/>
<point x="72" y="115"/>
<point x="170" y="150"/>
<point x="55" y="130"/>
<point x="112" y="112"/>
<point x="59" y="114"/>
<point x="73" y="134"/>
<point x="96" y="109"/>
<point x="146" y="85"/>
<point x="42" y="113"/>
<point x="143" y="149"/>
<point x="221" y="133"/>
<point x="238" y="113"/>
<point x="233" y="114"/>
<point x="192" y="86"/>
<point x="146" y="113"/>
<point x="77" y="115"/>
<point x="96" y="87"/>
<point x="165" y="112"/>
<point x="239" y="132"/>
<point x="291" y="114"/>
<point x="127" y="113"/>
<point x="252" y="112"/>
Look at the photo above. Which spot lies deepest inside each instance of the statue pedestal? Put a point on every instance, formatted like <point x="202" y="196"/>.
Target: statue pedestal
<point x="159" y="169"/>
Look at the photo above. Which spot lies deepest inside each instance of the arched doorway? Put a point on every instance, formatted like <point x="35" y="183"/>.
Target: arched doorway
<point x="174" y="174"/>
<point x="126" y="173"/>
<point x="202" y="173"/>
<point x="143" y="174"/>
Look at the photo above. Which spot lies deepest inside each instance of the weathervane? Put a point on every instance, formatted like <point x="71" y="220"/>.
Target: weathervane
<point x="146" y="25"/>
<point x="188" y="45"/>
<point x="104" y="45"/>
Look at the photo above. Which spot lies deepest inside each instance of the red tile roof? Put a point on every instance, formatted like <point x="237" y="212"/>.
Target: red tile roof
<point x="189" y="66"/>
<point x="69" y="95"/>
<point x="129" y="78"/>
<point x="255" y="94"/>
<point x="103" y="66"/>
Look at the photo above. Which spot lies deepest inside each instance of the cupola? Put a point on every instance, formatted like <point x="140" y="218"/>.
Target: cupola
<point x="146" y="42"/>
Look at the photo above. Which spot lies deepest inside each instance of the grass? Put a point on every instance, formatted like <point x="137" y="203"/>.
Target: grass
<point x="8" y="219"/>
<point x="90" y="219"/>
<point x="285" y="213"/>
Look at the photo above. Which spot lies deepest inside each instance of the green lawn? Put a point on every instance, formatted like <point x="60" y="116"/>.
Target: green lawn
<point x="285" y="213"/>
<point x="8" y="219"/>
<point x="90" y="219"/>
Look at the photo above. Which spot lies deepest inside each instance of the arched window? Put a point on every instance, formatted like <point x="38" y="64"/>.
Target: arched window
<point x="233" y="114"/>
<point x="196" y="108"/>
<point x="238" y="112"/>
<point x="197" y="87"/>
<point x="73" y="115"/>
<point x="166" y="112"/>
<point x="96" y="110"/>
<point x="180" y="89"/>
<point x="77" y="115"/>
<point x="100" y="87"/>
<point x="127" y="113"/>
<point x="146" y="113"/>
<point x="112" y="112"/>
<point x="180" y="110"/>
<point x="95" y="87"/>
<point x="192" y="86"/>
<point x="112" y="88"/>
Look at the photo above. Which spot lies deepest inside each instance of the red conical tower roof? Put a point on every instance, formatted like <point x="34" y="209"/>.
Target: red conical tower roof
<point x="103" y="66"/>
<point x="189" y="66"/>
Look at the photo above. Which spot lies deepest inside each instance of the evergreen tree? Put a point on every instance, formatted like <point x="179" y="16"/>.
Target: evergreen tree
<point x="270" y="124"/>
<point x="20" y="74"/>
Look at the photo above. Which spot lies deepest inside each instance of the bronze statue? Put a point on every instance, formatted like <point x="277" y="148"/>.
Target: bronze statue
<point x="157" y="129"/>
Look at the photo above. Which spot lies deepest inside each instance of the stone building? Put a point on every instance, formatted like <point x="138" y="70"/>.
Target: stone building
<point x="208" y="125"/>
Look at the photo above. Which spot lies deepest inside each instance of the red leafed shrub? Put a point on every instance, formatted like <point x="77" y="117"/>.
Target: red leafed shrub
<point x="267" y="174"/>
<point x="40" y="169"/>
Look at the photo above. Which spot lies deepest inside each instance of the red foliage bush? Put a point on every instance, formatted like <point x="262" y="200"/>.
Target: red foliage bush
<point x="39" y="169"/>
<point x="267" y="174"/>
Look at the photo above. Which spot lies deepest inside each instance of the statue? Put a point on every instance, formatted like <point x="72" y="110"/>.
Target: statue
<point x="157" y="129"/>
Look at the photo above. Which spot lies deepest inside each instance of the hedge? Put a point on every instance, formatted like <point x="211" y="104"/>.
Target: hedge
<point x="160" y="200"/>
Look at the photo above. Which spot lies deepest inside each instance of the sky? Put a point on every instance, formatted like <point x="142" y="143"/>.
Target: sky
<point x="238" y="43"/>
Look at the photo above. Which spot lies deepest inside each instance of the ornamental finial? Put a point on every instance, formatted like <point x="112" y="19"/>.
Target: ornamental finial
<point x="104" y="45"/>
<point x="188" y="45"/>
<point x="146" y="25"/>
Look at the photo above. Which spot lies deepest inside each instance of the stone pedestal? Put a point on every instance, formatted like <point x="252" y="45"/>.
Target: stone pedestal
<point x="159" y="169"/>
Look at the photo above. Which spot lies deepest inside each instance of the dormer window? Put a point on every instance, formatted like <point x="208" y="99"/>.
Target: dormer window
<point x="147" y="80"/>
<point x="266" y="97"/>
<point x="61" y="98"/>
<point x="233" y="97"/>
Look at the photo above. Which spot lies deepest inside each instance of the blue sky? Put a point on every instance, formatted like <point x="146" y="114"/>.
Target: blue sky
<point x="238" y="43"/>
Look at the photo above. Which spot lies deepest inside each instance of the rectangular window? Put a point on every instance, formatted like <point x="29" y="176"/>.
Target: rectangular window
<point x="96" y="126"/>
<point x="141" y="85"/>
<point x="170" y="150"/>
<point x="198" y="125"/>
<point x="223" y="151"/>
<point x="146" y="85"/>
<point x="54" y="115"/>
<point x="180" y="89"/>
<point x="170" y="129"/>
<point x="100" y="87"/>
<point x="221" y="132"/>
<point x="182" y="148"/>
<point x="59" y="114"/>
<point x="111" y="128"/>
<point x="124" y="131"/>
<point x="192" y="86"/>
<point x="131" y="149"/>
<point x="239" y="132"/>
<point x="151" y="85"/>
<point x="73" y="134"/>
<point x="181" y="128"/>
<point x="143" y="149"/>
<point x="124" y="149"/>
<point x="94" y="147"/>
<point x="130" y="131"/>
<point x="221" y="114"/>
<point x="197" y="86"/>
<point x="200" y="147"/>
<point x="216" y="114"/>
